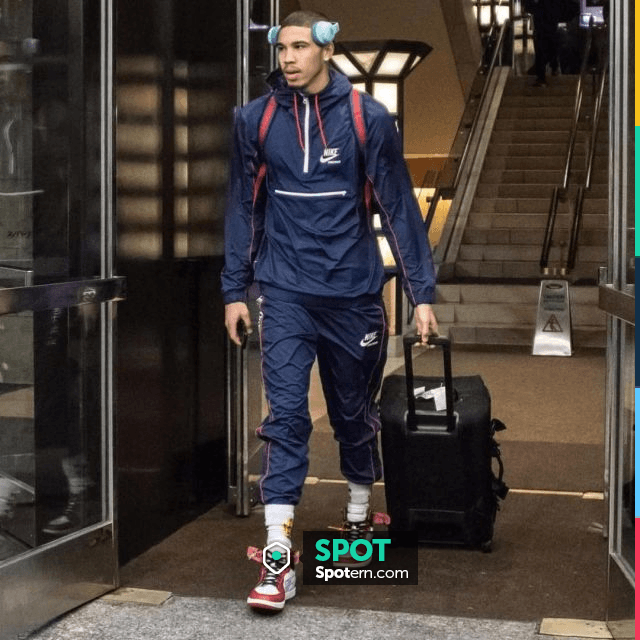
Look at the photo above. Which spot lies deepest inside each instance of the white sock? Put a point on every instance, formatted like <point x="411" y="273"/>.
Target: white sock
<point x="278" y="518"/>
<point x="358" y="505"/>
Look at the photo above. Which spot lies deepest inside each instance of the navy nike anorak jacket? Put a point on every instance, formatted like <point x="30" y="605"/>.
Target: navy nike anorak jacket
<point x="308" y="230"/>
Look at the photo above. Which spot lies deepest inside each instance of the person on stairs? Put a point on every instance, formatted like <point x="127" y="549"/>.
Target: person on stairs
<point x="308" y="158"/>
<point x="545" y="37"/>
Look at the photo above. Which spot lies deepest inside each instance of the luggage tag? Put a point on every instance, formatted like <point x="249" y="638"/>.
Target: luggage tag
<point x="438" y="394"/>
<point x="440" y="398"/>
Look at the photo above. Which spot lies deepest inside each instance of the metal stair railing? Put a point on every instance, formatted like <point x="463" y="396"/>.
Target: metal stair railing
<point x="491" y="55"/>
<point x="579" y="201"/>
<point x="560" y="192"/>
<point x="501" y="49"/>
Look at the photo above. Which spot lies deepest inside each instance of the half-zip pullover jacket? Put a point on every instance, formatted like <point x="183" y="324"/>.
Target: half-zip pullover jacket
<point x="307" y="230"/>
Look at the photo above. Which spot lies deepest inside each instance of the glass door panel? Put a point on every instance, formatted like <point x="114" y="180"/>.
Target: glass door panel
<point x="57" y="294"/>
<point x="617" y="298"/>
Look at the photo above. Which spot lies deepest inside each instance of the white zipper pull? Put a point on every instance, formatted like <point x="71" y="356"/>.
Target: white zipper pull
<point x="305" y="168"/>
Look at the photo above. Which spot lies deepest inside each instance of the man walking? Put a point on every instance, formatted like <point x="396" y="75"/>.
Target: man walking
<point x="298" y="224"/>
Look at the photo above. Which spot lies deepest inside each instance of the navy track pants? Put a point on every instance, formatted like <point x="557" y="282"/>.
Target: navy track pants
<point x="349" y="339"/>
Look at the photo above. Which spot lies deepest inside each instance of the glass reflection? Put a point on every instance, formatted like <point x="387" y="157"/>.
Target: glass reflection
<point x="50" y="430"/>
<point x="17" y="437"/>
<point x="626" y="492"/>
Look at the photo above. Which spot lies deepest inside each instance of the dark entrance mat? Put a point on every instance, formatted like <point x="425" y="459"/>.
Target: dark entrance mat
<point x="551" y="466"/>
<point x="546" y="562"/>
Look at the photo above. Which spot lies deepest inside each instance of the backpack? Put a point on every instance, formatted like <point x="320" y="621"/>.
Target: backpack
<point x="355" y="100"/>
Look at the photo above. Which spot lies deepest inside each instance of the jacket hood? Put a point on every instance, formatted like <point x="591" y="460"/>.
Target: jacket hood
<point x="338" y="87"/>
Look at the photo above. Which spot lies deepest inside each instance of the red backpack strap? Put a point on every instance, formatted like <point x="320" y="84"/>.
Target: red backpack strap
<point x="358" y="118"/>
<point x="265" y="121"/>
<point x="361" y="133"/>
<point x="263" y="130"/>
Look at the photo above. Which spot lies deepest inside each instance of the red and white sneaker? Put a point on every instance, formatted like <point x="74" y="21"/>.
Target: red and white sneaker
<point x="352" y="531"/>
<point x="275" y="584"/>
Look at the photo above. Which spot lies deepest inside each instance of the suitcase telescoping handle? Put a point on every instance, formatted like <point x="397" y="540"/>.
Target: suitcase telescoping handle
<point x="445" y="343"/>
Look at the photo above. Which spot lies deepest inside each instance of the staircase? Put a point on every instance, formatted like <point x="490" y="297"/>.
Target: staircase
<point x="492" y="297"/>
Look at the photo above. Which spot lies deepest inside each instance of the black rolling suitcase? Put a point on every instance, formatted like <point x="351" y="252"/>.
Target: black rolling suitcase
<point x="438" y="464"/>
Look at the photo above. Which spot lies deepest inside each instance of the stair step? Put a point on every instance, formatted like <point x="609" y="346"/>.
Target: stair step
<point x="521" y="336"/>
<point x="448" y="294"/>
<point x="540" y="96"/>
<point x="476" y="269"/>
<point x="505" y="136"/>
<point x="515" y="191"/>
<point x="516" y="163"/>
<point x="527" y="124"/>
<point x="591" y="207"/>
<point x="493" y="221"/>
<point x="494" y="314"/>
<point x="541" y="176"/>
<point x="546" y="112"/>
<point x="491" y="253"/>
<point x="519" y="270"/>
<point x="532" y="236"/>
<point x="519" y="149"/>
<point x="520" y="82"/>
<point x="531" y="190"/>
<point x="561" y="108"/>
<point x="516" y="236"/>
<point x="556" y="87"/>
<point x="509" y="176"/>
<point x="513" y="101"/>
<point x="543" y="149"/>
<point x="462" y="293"/>
<point x="514" y="314"/>
<point x="501" y="253"/>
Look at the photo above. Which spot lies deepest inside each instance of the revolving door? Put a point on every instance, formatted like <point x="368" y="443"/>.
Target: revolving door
<point x="57" y="296"/>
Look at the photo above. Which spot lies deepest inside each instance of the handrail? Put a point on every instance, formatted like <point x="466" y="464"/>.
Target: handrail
<point x="483" y="95"/>
<point x="597" y="111"/>
<point x="449" y="189"/>
<point x="577" y="213"/>
<point x="548" y="231"/>
<point x="577" y="106"/>
<point x="462" y="179"/>
<point x="561" y="190"/>
<point x="433" y="205"/>
<point x="575" y="229"/>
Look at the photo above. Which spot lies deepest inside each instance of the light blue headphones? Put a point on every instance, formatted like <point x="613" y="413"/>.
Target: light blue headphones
<point x="322" y="32"/>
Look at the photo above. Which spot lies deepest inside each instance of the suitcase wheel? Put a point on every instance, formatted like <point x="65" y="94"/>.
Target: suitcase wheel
<point x="487" y="546"/>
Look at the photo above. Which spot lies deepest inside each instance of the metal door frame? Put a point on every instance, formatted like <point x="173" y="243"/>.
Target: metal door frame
<point x="243" y="446"/>
<point x="47" y="581"/>
<point x="617" y="299"/>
